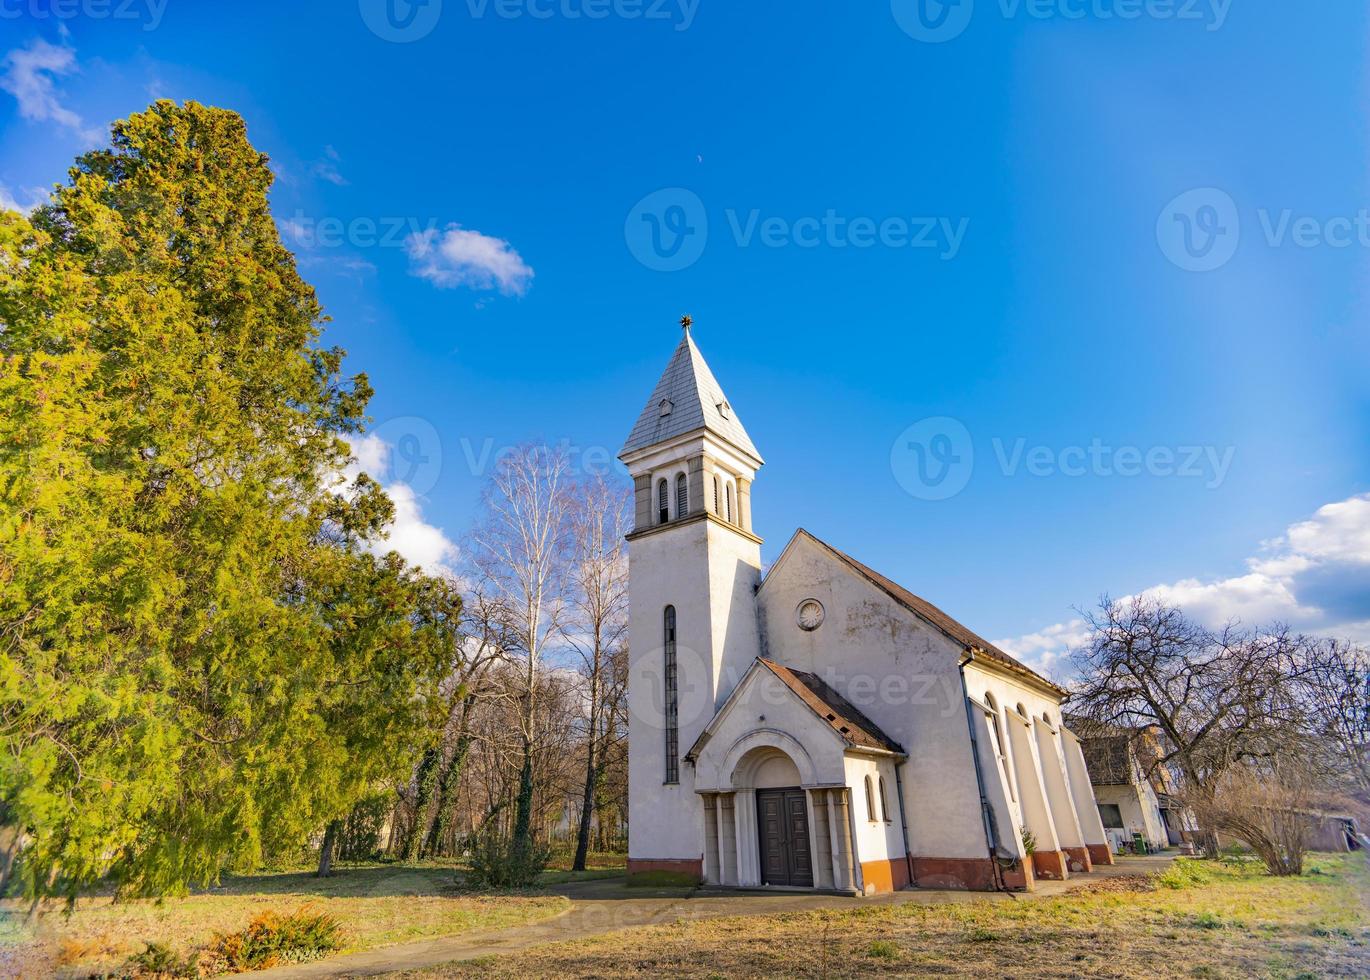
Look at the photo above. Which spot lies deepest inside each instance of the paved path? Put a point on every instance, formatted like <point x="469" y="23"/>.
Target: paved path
<point x="608" y="905"/>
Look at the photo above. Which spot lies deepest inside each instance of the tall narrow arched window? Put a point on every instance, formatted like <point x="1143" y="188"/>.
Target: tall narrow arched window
<point x="1000" y="744"/>
<point x="682" y="496"/>
<point x="729" y="512"/>
<point x="994" y="724"/>
<point x="870" y="801"/>
<point x="663" y="502"/>
<point x="718" y="503"/>
<point x="884" y="803"/>
<point x="672" y="711"/>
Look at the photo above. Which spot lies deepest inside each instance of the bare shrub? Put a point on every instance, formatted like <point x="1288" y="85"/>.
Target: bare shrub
<point x="1270" y="809"/>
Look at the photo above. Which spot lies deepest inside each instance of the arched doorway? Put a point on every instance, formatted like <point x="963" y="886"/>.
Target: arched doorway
<point x="784" y="848"/>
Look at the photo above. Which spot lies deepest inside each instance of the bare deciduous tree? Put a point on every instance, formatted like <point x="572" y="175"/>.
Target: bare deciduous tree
<point x="597" y="627"/>
<point x="519" y="552"/>
<point x="1216" y="699"/>
<point x="1336" y="689"/>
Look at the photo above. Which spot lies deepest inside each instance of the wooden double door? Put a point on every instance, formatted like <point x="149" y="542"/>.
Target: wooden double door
<point x="782" y="819"/>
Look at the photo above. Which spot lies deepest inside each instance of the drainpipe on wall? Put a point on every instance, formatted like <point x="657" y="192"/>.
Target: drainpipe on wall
<point x="986" y="811"/>
<point x="903" y="819"/>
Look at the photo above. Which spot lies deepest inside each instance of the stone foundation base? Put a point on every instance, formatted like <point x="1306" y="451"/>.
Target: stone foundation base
<point x="885" y="876"/>
<point x="1018" y="878"/>
<point x="1100" y="853"/>
<point x="970" y="874"/>
<point x="1079" y="859"/>
<point x="686" y="867"/>
<point x="1050" y="865"/>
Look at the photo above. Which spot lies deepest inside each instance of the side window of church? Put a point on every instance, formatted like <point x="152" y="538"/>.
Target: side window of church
<point x="884" y="804"/>
<point x="870" y="801"/>
<point x="682" y="496"/>
<point x="672" y="729"/>
<point x="663" y="502"/>
<point x="1111" y="816"/>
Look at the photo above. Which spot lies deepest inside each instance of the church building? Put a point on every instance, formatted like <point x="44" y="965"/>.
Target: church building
<point x="819" y="726"/>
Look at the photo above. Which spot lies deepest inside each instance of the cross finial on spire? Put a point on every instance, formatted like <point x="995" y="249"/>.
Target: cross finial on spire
<point x="685" y="322"/>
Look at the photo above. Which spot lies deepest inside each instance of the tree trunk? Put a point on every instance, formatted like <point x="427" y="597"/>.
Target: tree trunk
<point x="523" y="814"/>
<point x="428" y="774"/>
<point x="7" y="865"/>
<point x="447" y="790"/>
<point x="330" y="843"/>
<point x="587" y="806"/>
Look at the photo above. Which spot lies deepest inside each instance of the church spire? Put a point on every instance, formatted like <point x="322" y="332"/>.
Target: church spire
<point x="688" y="398"/>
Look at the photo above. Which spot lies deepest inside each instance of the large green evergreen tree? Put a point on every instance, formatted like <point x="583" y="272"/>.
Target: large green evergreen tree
<point x="200" y="662"/>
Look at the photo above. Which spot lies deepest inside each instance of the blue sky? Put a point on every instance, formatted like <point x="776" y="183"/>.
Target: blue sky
<point x="1057" y="230"/>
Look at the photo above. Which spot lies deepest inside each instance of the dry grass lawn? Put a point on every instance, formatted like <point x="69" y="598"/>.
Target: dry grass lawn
<point x="1220" y="920"/>
<point x="376" y="905"/>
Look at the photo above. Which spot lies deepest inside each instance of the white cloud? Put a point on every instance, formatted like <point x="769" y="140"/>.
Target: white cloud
<point x="460" y="257"/>
<point x="1042" y="650"/>
<point x="29" y="74"/>
<point x="24" y="200"/>
<point x="417" y="541"/>
<point x="1337" y="532"/>
<point x="372" y="454"/>
<point x="1315" y="577"/>
<point x="327" y="168"/>
<point x="1253" y="598"/>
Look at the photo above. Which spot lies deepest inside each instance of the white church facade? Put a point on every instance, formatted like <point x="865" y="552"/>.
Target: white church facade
<point x="819" y="726"/>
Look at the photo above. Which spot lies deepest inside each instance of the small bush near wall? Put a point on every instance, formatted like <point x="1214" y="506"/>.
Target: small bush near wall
<point x="501" y="862"/>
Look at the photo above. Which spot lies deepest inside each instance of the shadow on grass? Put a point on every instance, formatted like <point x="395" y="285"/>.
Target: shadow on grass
<point x="366" y="881"/>
<point x="384" y="881"/>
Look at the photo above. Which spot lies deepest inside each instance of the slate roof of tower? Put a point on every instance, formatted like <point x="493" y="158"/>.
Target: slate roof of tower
<point x="695" y="396"/>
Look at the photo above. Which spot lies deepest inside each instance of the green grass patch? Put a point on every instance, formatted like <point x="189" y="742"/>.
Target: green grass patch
<point x="883" y="949"/>
<point x="1184" y="873"/>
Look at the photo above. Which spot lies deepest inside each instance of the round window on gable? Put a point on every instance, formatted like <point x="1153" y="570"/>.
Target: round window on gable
<point x="809" y="615"/>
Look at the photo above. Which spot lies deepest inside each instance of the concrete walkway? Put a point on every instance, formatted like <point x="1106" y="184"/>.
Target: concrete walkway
<point x="608" y="905"/>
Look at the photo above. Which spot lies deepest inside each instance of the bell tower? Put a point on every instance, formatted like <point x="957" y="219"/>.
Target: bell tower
<point x="694" y="565"/>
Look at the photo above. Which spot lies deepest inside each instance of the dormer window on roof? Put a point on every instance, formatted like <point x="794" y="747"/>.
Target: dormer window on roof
<point x="666" y="407"/>
<point x="725" y="410"/>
